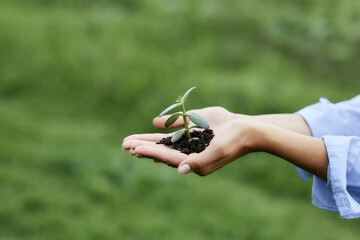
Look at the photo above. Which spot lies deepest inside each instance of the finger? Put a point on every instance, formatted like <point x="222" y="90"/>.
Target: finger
<point x="154" y="137"/>
<point x="142" y="156"/>
<point x="195" y="162"/>
<point x="135" y="143"/>
<point x="132" y="152"/>
<point x="168" y="156"/>
<point x="160" y="122"/>
<point x="126" y="145"/>
<point x="132" y="144"/>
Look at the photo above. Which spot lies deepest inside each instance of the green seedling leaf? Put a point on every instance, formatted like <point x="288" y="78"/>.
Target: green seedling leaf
<point x="172" y="119"/>
<point x="177" y="135"/>
<point x="194" y="126"/>
<point x="198" y="120"/>
<point x="187" y="94"/>
<point x="194" y="138"/>
<point x="169" y="109"/>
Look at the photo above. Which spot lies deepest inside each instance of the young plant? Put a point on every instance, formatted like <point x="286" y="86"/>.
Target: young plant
<point x="199" y="121"/>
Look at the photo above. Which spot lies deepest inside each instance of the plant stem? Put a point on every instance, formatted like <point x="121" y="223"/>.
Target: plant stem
<point x="187" y="132"/>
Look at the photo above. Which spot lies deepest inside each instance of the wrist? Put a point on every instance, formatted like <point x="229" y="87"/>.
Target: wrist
<point x="250" y="135"/>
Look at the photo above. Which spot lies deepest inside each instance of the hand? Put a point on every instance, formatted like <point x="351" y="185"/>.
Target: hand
<point x="214" y="115"/>
<point x="233" y="139"/>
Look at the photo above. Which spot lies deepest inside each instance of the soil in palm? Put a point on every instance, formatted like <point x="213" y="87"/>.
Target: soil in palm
<point x="194" y="146"/>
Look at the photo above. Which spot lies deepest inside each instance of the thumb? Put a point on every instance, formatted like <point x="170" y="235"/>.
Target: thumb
<point x="197" y="161"/>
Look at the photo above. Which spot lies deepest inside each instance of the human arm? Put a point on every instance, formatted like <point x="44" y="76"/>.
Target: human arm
<point x="323" y="118"/>
<point x="233" y="139"/>
<point x="240" y="137"/>
<point x="337" y="186"/>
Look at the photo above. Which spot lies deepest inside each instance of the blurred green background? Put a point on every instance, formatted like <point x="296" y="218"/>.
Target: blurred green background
<point x="76" y="77"/>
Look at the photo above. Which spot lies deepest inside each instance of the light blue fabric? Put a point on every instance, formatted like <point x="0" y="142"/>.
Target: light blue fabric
<point x="339" y="126"/>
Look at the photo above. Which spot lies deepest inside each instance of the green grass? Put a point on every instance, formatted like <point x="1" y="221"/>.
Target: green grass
<point x="76" y="77"/>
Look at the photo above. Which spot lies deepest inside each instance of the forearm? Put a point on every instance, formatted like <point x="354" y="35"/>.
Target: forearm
<point x="292" y="122"/>
<point x="306" y="152"/>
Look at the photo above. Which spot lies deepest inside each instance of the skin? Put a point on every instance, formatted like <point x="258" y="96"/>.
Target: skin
<point x="285" y="135"/>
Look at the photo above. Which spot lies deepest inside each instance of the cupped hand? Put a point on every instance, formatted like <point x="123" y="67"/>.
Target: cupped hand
<point x="233" y="139"/>
<point x="214" y="115"/>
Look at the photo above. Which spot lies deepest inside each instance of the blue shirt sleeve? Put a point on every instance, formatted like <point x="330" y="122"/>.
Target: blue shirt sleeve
<point x="339" y="126"/>
<point x="326" y="118"/>
<point x="343" y="176"/>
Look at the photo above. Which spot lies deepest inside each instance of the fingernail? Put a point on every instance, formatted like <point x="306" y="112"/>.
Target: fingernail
<point x="184" y="169"/>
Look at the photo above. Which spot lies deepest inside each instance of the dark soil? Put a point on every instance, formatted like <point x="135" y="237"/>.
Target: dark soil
<point x="195" y="146"/>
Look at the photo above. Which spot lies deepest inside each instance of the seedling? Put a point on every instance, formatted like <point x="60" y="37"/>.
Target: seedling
<point x="200" y="122"/>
